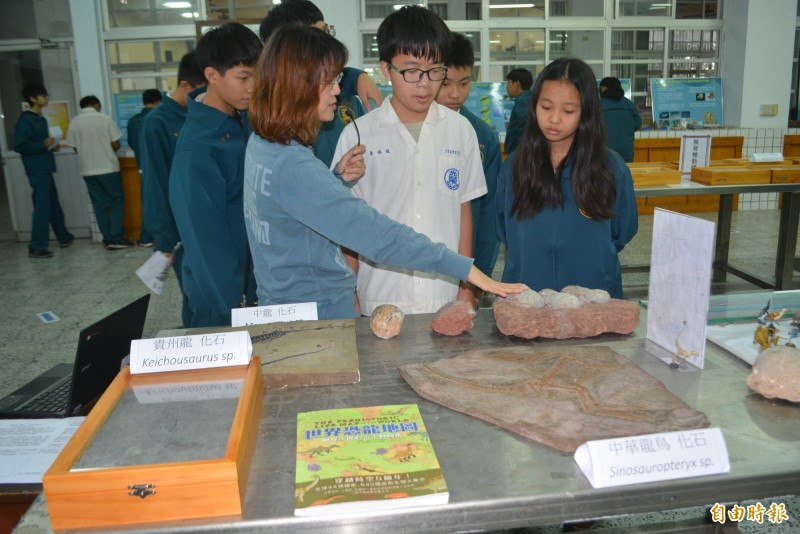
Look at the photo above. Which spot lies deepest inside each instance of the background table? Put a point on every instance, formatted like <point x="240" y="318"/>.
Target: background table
<point x="787" y="232"/>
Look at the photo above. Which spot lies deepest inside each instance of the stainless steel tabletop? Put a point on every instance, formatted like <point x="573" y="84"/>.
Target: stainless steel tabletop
<point x="498" y="479"/>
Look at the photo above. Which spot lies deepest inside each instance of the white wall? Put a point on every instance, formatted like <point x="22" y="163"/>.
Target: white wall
<point x="91" y="58"/>
<point x="344" y="15"/>
<point x="758" y="42"/>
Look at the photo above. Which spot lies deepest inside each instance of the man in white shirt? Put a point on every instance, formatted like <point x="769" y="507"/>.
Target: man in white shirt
<point x="423" y="163"/>
<point x="95" y="138"/>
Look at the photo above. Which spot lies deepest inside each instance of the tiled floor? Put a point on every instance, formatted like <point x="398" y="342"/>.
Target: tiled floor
<point x="85" y="282"/>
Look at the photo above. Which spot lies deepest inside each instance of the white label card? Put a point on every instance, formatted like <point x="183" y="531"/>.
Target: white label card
<point x="695" y="152"/>
<point x="182" y="353"/>
<point x="766" y="156"/>
<point x="278" y="313"/>
<point x="653" y="457"/>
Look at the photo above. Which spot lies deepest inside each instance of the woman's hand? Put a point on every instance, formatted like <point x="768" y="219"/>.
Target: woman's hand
<point x="352" y="166"/>
<point x="493" y="286"/>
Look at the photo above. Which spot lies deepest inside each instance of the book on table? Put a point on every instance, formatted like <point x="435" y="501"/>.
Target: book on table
<point x="365" y="459"/>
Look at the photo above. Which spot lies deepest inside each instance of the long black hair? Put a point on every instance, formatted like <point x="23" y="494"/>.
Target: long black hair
<point x="536" y="184"/>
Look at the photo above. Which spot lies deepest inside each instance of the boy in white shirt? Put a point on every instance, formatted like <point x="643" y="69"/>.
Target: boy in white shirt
<point x="423" y="165"/>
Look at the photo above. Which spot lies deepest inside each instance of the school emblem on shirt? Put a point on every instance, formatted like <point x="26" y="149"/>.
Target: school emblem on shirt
<point x="345" y="112"/>
<point x="451" y="179"/>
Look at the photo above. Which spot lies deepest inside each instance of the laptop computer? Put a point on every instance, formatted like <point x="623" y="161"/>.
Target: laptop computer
<point x="67" y="388"/>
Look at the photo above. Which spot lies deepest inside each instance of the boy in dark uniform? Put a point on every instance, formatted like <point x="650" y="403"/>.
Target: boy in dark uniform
<point x="32" y="140"/>
<point x="159" y="136"/>
<point x="205" y="183"/>
<point x="453" y="93"/>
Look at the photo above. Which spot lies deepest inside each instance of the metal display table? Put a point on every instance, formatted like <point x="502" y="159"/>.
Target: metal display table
<point x="787" y="233"/>
<point x="497" y="479"/>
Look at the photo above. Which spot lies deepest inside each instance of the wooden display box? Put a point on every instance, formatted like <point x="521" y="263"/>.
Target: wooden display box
<point x="747" y="162"/>
<point x="654" y="174"/>
<point x="731" y="175"/>
<point x="80" y="496"/>
<point x="785" y="174"/>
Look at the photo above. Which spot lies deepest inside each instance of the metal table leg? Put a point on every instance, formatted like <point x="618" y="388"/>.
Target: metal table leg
<point x="723" y="240"/>
<point x="787" y="240"/>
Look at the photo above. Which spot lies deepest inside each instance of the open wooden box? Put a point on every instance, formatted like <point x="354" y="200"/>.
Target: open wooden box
<point x="160" y="447"/>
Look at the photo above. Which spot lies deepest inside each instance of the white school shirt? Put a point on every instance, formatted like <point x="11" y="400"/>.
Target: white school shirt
<point x="92" y="133"/>
<point x="420" y="184"/>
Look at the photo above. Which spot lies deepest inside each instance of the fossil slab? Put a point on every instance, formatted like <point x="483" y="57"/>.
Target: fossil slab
<point x="299" y="353"/>
<point x="522" y="316"/>
<point x="558" y="396"/>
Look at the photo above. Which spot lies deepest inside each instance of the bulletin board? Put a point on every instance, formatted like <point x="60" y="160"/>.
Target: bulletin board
<point x="680" y="103"/>
<point x="126" y="105"/>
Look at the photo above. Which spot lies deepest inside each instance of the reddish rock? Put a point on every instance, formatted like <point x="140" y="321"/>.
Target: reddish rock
<point x="518" y="318"/>
<point x="386" y="321"/>
<point x="454" y="318"/>
<point x="776" y="374"/>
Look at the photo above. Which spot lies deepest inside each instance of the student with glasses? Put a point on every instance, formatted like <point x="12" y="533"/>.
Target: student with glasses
<point x="423" y="164"/>
<point x="296" y="211"/>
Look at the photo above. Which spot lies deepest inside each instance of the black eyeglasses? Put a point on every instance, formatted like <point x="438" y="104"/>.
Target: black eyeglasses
<point x="435" y="74"/>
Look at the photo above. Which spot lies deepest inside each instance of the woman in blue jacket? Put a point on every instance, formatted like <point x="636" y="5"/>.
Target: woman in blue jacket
<point x="297" y="212"/>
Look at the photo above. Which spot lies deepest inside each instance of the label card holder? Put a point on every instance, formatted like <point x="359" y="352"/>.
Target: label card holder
<point x="183" y="353"/>
<point x="302" y="311"/>
<point x="653" y="457"/>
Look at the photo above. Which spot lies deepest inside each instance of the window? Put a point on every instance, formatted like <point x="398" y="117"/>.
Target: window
<point x="645" y="8"/>
<point x="131" y="13"/>
<point x="585" y="44"/>
<point x="521" y="46"/>
<point x="697" y="9"/>
<point x="380" y="9"/>
<point x="576" y="8"/>
<point x="516" y="9"/>
<point x="139" y="65"/>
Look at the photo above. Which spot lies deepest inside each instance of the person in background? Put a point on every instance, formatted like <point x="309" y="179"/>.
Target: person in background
<point x="565" y="203"/>
<point x="95" y="137"/>
<point x="453" y="93"/>
<point x="205" y="181"/>
<point x="518" y="87"/>
<point x="354" y="82"/>
<point x="423" y="163"/>
<point x="297" y="211"/>
<point x="32" y="140"/>
<point x="151" y="98"/>
<point x="160" y="134"/>
<point x="621" y="117"/>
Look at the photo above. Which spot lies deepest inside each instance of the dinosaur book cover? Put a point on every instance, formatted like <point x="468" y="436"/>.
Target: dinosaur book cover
<point x="365" y="459"/>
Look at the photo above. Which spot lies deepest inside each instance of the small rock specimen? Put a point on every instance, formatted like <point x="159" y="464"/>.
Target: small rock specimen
<point x="386" y="321"/>
<point x="776" y="374"/>
<point x="454" y="318"/>
<point x="575" y="312"/>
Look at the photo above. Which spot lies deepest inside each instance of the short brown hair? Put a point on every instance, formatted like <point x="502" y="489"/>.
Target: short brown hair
<point x="296" y="59"/>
